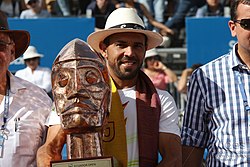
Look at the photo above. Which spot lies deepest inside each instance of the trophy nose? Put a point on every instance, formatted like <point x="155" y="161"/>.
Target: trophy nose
<point x="78" y="90"/>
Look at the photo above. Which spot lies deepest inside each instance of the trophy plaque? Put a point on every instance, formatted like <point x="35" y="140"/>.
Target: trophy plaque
<point x="82" y="94"/>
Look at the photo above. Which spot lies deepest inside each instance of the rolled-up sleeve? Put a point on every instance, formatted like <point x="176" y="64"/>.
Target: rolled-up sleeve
<point x="194" y="129"/>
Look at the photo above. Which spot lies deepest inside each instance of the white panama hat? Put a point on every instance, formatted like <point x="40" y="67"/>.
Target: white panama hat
<point x="151" y="53"/>
<point x="124" y="20"/>
<point x="30" y="53"/>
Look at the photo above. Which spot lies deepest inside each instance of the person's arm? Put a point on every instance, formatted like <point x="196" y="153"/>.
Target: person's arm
<point x="170" y="150"/>
<point x="52" y="148"/>
<point x="182" y="83"/>
<point x="192" y="156"/>
<point x="162" y="27"/>
<point x="169" y="132"/>
<point x="171" y="74"/>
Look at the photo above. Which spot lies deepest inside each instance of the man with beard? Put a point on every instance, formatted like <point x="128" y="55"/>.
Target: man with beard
<point x="143" y="120"/>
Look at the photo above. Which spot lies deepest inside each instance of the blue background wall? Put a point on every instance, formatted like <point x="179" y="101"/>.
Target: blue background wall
<point x="50" y="35"/>
<point x="207" y="39"/>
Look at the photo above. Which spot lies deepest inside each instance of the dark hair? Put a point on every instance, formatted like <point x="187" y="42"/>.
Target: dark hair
<point x="25" y="61"/>
<point x="195" y="66"/>
<point x="234" y="5"/>
<point x="156" y="57"/>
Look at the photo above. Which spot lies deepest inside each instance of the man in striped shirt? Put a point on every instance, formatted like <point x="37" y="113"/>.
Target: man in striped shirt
<point x="217" y="114"/>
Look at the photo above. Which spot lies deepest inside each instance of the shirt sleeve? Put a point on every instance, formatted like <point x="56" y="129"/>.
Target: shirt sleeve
<point x="194" y="125"/>
<point x="169" y="114"/>
<point x="53" y="118"/>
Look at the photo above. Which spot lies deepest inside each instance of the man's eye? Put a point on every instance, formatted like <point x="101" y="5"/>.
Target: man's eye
<point x="93" y="77"/>
<point x="139" y="46"/>
<point x="120" y="45"/>
<point x="63" y="80"/>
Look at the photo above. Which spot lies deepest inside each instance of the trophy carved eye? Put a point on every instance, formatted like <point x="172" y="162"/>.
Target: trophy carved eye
<point x="92" y="77"/>
<point x="63" y="79"/>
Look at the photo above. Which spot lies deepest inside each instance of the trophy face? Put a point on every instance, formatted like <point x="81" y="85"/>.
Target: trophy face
<point x="81" y="90"/>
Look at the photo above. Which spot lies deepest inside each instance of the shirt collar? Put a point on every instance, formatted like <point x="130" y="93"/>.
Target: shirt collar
<point x="14" y="85"/>
<point x="236" y="63"/>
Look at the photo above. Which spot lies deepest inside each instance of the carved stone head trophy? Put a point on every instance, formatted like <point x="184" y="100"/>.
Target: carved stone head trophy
<point x="82" y="94"/>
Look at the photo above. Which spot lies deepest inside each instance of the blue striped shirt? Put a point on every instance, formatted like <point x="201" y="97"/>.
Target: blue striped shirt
<point x="215" y="117"/>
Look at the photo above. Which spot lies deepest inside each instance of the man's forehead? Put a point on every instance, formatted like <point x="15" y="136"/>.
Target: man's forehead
<point x="126" y="34"/>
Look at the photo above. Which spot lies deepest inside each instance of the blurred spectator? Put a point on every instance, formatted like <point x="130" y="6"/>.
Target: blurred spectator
<point x="185" y="8"/>
<point x="156" y="8"/>
<point x="100" y="10"/>
<point x="83" y="5"/>
<point x="178" y="20"/>
<point x="211" y="8"/>
<point x="12" y="8"/>
<point x="183" y="81"/>
<point x="64" y="6"/>
<point x="142" y="11"/>
<point x="33" y="73"/>
<point x="53" y="8"/>
<point x="159" y="74"/>
<point x="34" y="10"/>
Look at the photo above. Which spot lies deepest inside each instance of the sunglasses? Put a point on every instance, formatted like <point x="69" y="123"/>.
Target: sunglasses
<point x="3" y="45"/>
<point x="244" y="23"/>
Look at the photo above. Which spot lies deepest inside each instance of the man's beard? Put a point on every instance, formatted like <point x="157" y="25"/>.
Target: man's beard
<point x="127" y="74"/>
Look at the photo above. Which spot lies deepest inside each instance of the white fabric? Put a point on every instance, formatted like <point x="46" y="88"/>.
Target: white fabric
<point x="40" y="77"/>
<point x="168" y="120"/>
<point x="31" y="105"/>
<point x="29" y="14"/>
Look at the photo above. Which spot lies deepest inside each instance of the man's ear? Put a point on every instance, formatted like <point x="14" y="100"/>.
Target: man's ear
<point x="103" y="49"/>
<point x="232" y="28"/>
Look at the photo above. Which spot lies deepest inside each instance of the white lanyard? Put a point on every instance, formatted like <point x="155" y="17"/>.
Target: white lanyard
<point x="4" y="131"/>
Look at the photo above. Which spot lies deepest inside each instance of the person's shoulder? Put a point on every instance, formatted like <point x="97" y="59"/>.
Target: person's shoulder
<point x="46" y="69"/>
<point x="45" y="13"/>
<point x="163" y="94"/>
<point x="217" y="61"/>
<point x="23" y="14"/>
<point x="18" y="72"/>
<point x="22" y="84"/>
<point x="27" y="11"/>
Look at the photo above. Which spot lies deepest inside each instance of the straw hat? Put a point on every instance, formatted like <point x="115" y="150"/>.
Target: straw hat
<point x="30" y="53"/>
<point x="151" y="53"/>
<point x="124" y="20"/>
<point x="21" y="38"/>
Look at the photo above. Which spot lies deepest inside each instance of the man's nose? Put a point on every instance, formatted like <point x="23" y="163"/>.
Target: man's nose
<point x="129" y="51"/>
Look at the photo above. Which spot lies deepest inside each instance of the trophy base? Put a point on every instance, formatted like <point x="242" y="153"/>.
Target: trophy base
<point x="87" y="162"/>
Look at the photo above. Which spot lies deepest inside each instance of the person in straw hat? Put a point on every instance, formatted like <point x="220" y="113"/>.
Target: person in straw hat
<point x="33" y="73"/>
<point x="149" y="122"/>
<point x="24" y="106"/>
